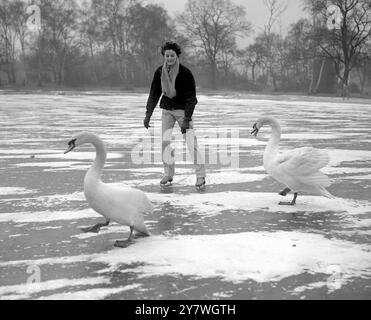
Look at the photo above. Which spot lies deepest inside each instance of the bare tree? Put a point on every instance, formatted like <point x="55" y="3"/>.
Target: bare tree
<point x="315" y="8"/>
<point x="60" y="16"/>
<point x="151" y="27"/>
<point x="211" y="24"/>
<point x="298" y="55"/>
<point x="252" y="57"/>
<point x="19" y="20"/>
<point x="91" y="35"/>
<point x="275" y="8"/>
<point x="56" y="38"/>
<point x="346" y="42"/>
<point x="363" y="66"/>
<point x="114" y="18"/>
<point x="8" y="37"/>
<point x="272" y="41"/>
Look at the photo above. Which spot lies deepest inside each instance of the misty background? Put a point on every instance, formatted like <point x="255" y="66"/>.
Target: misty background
<point x="305" y="46"/>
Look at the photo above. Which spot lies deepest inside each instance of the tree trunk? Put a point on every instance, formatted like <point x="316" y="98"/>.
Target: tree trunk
<point x="274" y="80"/>
<point x="310" y="90"/>
<point x="25" y="78"/>
<point x="60" y="78"/>
<point x="12" y="68"/>
<point x="213" y="70"/>
<point x="95" y="74"/>
<point x="54" y="75"/>
<point x="9" y="73"/>
<point x="39" y="71"/>
<point x="253" y="73"/>
<point x="363" y="77"/>
<point x="122" y="71"/>
<point x="115" y="58"/>
<point x="319" y="79"/>
<point x="345" y="92"/>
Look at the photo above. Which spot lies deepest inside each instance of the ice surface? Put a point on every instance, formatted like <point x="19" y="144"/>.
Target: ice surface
<point x="221" y="243"/>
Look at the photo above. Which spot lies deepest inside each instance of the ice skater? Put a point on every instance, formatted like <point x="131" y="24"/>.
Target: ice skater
<point x="175" y="83"/>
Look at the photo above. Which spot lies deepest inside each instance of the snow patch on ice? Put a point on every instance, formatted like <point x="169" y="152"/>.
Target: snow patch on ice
<point x="258" y="256"/>
<point x="48" y="216"/>
<point x="14" y="191"/>
<point x="214" y="203"/>
<point x="24" y="291"/>
<point x="90" y="294"/>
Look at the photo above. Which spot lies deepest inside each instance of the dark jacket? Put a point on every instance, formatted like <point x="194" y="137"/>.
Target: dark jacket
<point x="185" y="98"/>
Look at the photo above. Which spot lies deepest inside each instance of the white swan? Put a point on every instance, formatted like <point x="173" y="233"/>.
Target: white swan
<point x="298" y="169"/>
<point x="122" y="204"/>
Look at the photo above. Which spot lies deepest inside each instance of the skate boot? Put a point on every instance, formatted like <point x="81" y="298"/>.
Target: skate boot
<point x="166" y="181"/>
<point x="200" y="183"/>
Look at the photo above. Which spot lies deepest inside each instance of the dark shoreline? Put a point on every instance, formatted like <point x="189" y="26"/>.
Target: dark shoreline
<point x="228" y="94"/>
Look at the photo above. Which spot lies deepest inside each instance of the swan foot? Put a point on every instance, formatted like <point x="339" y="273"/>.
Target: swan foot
<point x="285" y="192"/>
<point x="283" y="203"/>
<point x="140" y="235"/>
<point x="292" y="203"/>
<point x="95" y="228"/>
<point x="123" y="243"/>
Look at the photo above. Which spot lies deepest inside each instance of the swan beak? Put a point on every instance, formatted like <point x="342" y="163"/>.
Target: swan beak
<point x="255" y="131"/>
<point x="71" y="146"/>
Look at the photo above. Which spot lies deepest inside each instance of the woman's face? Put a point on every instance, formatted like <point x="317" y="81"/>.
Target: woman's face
<point x="170" y="57"/>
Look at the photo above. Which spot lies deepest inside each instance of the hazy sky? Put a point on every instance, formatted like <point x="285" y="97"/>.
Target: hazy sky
<point x="256" y="13"/>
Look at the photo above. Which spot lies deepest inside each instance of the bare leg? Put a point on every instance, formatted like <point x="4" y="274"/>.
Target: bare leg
<point x="125" y="243"/>
<point x="292" y="203"/>
<point x="196" y="155"/>
<point x="168" y="157"/>
<point x="96" y="228"/>
<point x="285" y="192"/>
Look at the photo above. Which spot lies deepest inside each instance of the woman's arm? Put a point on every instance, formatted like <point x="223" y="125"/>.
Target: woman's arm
<point x="189" y="95"/>
<point x="155" y="93"/>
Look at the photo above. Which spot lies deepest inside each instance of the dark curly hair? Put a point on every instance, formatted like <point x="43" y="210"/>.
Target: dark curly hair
<point x="171" y="46"/>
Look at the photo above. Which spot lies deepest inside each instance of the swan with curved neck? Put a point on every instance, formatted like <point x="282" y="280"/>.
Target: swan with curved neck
<point x="121" y="204"/>
<point x="298" y="169"/>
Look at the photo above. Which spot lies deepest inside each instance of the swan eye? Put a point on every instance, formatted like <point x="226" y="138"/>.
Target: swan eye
<point x="72" y="143"/>
<point x="255" y="130"/>
<point x="71" y="146"/>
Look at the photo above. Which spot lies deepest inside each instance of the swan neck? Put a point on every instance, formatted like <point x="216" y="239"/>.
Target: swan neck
<point x="100" y="157"/>
<point x="276" y="134"/>
<point x="272" y="146"/>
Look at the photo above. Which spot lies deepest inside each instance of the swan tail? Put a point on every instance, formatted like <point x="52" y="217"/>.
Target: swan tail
<point x="317" y="179"/>
<point x="147" y="209"/>
<point x="148" y="205"/>
<point x="142" y="229"/>
<point x="327" y="194"/>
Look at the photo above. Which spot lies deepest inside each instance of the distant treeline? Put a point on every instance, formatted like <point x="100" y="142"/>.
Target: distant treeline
<point x="117" y="43"/>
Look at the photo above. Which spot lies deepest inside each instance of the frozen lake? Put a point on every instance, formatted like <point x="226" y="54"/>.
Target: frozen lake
<point x="230" y="241"/>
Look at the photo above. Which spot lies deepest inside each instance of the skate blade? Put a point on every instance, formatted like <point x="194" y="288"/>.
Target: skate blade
<point x="169" y="184"/>
<point x="200" y="188"/>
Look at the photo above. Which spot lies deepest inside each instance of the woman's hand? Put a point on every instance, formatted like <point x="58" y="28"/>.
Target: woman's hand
<point x="146" y="122"/>
<point x="185" y="125"/>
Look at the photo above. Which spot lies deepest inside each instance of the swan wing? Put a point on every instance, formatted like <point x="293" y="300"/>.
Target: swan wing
<point x="130" y="197"/>
<point x="317" y="180"/>
<point x="302" y="161"/>
<point x="282" y="157"/>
